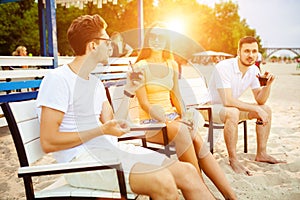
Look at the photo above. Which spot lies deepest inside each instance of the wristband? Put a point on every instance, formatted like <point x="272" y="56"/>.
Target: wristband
<point x="128" y="94"/>
<point x="259" y="122"/>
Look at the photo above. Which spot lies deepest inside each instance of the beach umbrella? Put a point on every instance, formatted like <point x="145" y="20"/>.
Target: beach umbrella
<point x="206" y="53"/>
<point x="225" y="54"/>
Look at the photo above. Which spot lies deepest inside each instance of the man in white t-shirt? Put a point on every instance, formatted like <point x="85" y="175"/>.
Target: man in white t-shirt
<point x="229" y="80"/>
<point x="77" y="124"/>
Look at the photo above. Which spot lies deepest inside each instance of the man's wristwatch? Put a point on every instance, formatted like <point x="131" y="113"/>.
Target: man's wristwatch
<point x="128" y="94"/>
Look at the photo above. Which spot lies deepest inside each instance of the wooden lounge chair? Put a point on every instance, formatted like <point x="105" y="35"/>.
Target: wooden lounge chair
<point x="115" y="95"/>
<point x="20" y="113"/>
<point x="24" y="127"/>
<point x="194" y="92"/>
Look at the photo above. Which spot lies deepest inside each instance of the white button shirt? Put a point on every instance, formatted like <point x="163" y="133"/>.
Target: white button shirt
<point x="227" y="75"/>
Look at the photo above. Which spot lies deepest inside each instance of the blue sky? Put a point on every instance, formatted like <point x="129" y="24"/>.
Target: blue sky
<point x="277" y="22"/>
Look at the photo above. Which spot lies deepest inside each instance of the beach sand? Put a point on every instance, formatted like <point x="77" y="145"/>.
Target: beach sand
<point x="279" y="181"/>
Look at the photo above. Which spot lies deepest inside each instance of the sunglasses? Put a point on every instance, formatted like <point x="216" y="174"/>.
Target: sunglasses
<point x="158" y="37"/>
<point x="107" y="40"/>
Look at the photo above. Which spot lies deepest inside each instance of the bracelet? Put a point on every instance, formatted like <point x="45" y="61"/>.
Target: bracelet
<point x="259" y="122"/>
<point x="128" y="94"/>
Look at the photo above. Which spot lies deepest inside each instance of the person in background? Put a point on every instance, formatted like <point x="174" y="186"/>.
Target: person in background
<point x="160" y="101"/>
<point x="229" y="80"/>
<point x="77" y="124"/>
<point x="120" y="47"/>
<point x="258" y="60"/>
<point x="20" y="51"/>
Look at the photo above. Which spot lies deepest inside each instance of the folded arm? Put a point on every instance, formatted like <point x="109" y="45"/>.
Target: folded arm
<point x="229" y="101"/>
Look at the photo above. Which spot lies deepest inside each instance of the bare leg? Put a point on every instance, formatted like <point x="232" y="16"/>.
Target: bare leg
<point x="212" y="169"/>
<point x="151" y="181"/>
<point x="162" y="182"/>
<point x="188" y="181"/>
<point x="179" y="134"/>
<point x="262" y="134"/>
<point x="231" y="118"/>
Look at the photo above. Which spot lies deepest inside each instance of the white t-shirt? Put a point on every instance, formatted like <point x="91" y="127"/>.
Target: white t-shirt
<point x="227" y="75"/>
<point x="81" y="100"/>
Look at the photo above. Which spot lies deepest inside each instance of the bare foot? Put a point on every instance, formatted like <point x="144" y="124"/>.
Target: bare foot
<point x="239" y="168"/>
<point x="267" y="158"/>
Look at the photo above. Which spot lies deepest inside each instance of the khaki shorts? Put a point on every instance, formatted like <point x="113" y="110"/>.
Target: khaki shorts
<point x="216" y="109"/>
<point x="127" y="154"/>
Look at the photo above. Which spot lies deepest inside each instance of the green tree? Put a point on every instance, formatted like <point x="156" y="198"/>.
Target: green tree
<point x="217" y="28"/>
<point x="64" y="17"/>
<point x="228" y="28"/>
<point x="19" y="26"/>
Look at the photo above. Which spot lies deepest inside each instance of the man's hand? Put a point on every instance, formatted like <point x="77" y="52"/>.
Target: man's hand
<point x="270" y="78"/>
<point x="261" y="95"/>
<point x="115" y="127"/>
<point x="263" y="116"/>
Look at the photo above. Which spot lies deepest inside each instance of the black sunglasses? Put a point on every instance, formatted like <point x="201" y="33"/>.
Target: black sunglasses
<point x="159" y="37"/>
<point x="107" y="40"/>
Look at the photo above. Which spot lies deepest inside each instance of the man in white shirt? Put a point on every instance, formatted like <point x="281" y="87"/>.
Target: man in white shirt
<point x="229" y="80"/>
<point x="77" y="124"/>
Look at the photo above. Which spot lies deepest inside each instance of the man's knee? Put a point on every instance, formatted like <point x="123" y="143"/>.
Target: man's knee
<point x="187" y="172"/>
<point x="232" y="114"/>
<point x="160" y="184"/>
<point x="165" y="186"/>
<point x="267" y="109"/>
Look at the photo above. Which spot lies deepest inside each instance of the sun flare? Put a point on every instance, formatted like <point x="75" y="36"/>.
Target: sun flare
<point x="176" y="25"/>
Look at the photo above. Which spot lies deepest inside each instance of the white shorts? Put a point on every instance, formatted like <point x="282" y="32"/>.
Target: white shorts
<point x="127" y="154"/>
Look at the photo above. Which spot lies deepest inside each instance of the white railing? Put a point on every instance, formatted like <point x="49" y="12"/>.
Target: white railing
<point x="48" y="61"/>
<point x="115" y="65"/>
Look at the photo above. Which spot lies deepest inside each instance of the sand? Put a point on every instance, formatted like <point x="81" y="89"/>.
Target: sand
<point x="280" y="181"/>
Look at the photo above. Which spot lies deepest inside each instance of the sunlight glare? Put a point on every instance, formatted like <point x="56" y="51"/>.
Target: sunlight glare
<point x="176" y="25"/>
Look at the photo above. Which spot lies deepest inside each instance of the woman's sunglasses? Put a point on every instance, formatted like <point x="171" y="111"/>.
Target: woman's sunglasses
<point x="158" y="37"/>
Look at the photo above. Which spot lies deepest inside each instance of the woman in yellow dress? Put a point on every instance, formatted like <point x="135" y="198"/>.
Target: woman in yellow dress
<point x="160" y="101"/>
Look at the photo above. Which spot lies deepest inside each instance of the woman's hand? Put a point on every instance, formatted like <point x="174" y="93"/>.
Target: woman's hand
<point x="134" y="80"/>
<point x="157" y="112"/>
<point x="115" y="127"/>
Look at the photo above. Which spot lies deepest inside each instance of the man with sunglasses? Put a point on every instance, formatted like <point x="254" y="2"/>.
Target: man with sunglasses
<point x="77" y="124"/>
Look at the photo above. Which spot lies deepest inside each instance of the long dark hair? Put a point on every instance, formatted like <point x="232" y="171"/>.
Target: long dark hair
<point x="146" y="50"/>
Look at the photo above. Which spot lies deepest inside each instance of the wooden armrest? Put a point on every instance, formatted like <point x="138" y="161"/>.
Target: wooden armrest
<point x="137" y="131"/>
<point x="60" y="168"/>
<point x="145" y="127"/>
<point x="200" y="106"/>
<point x="204" y="107"/>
